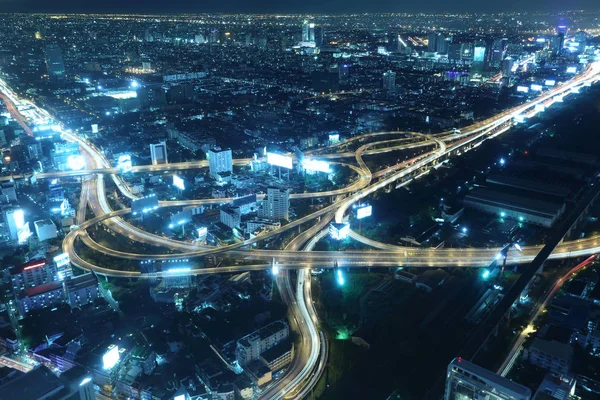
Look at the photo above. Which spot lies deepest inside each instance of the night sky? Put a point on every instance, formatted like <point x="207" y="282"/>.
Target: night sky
<point x="291" y="6"/>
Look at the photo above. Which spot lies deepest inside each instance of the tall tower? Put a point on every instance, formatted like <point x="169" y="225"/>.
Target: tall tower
<point x="54" y="61"/>
<point x="219" y="161"/>
<point x="305" y="31"/>
<point x="277" y="204"/>
<point x="158" y="153"/>
<point x="389" y="81"/>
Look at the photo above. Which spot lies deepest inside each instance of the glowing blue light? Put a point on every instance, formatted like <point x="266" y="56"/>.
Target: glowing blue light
<point x="502" y="161"/>
<point x="503" y="214"/>
<point x="485" y="274"/>
<point x="134" y="84"/>
<point x="340" y="278"/>
<point x="464" y="230"/>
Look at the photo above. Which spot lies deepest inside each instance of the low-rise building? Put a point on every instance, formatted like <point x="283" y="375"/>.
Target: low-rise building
<point x="45" y="229"/>
<point x="250" y="347"/>
<point x="278" y="356"/>
<point x="42" y="296"/>
<point x="550" y="355"/>
<point x="82" y="290"/>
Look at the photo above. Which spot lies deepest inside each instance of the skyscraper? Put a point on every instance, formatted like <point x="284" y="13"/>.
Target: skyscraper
<point x="277" y="204"/>
<point x="54" y="61"/>
<point x="467" y="381"/>
<point x="219" y="161"/>
<point x="438" y="42"/>
<point x="507" y="66"/>
<point x="389" y="81"/>
<point x="158" y="153"/>
<point x="308" y="31"/>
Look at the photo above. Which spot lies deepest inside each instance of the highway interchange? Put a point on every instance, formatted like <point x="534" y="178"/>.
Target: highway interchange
<point x="310" y="361"/>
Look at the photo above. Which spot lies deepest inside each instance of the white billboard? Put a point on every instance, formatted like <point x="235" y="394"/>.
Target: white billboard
<point x="571" y="70"/>
<point x="339" y="231"/>
<point x="61" y="260"/>
<point x="76" y="162"/>
<point x="536" y="88"/>
<point x="316" y="165"/>
<point x="524" y="89"/>
<point x="279" y="160"/>
<point x="124" y="163"/>
<point x="334" y="138"/>
<point x="550" y="82"/>
<point x="94" y="128"/>
<point x="178" y="182"/>
<point x="364" y="212"/>
<point x="111" y="357"/>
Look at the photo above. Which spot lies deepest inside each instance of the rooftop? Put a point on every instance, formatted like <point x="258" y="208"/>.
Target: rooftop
<point x="552" y="347"/>
<point x="489" y="376"/>
<point x="41" y="289"/>
<point x="37" y="384"/>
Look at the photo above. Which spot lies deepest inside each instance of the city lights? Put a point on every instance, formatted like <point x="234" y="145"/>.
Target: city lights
<point x="279" y="160"/>
<point x="111" y="357"/>
<point x="76" y="162"/>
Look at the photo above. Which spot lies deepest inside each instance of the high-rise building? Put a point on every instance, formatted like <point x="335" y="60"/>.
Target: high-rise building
<point x="507" y="66"/>
<point x="467" y="381"/>
<point x="389" y="81"/>
<point x="319" y="36"/>
<point x="54" y="61"/>
<point x="33" y="273"/>
<point x="158" y="153"/>
<point x="277" y="204"/>
<point x="219" y="161"/>
<point x="308" y="31"/>
<point x="15" y="220"/>
<point x="438" y="42"/>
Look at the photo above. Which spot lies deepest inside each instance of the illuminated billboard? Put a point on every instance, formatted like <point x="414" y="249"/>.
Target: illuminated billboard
<point x="523" y="89"/>
<point x="178" y="182"/>
<point x="571" y="70"/>
<point x="202" y="232"/>
<point x="536" y="88"/>
<point x="111" y="357"/>
<point x="339" y="231"/>
<point x="550" y="82"/>
<point x="316" y="165"/>
<point x="76" y="162"/>
<point x="279" y="160"/>
<point x="124" y="163"/>
<point x="364" y="212"/>
<point x="334" y="138"/>
<point x="94" y="128"/>
<point x="479" y="54"/>
<point x="540" y="107"/>
<point x="61" y="260"/>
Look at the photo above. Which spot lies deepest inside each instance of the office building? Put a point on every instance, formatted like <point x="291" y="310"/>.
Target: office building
<point x="277" y="204"/>
<point x="42" y="296"/>
<point x="14" y="218"/>
<point x="33" y="273"/>
<point x="246" y="204"/>
<point x="158" y="153"/>
<point x="507" y="66"/>
<point x="438" y="43"/>
<point x="219" y="161"/>
<point x="517" y="207"/>
<point x="151" y="96"/>
<point x="389" y="81"/>
<point x="54" y="61"/>
<point x="81" y="290"/>
<point x="231" y="216"/>
<point x="250" y="347"/>
<point x="467" y="381"/>
<point x="550" y="355"/>
<point x="308" y="31"/>
<point x="8" y="192"/>
<point x="278" y="356"/>
<point x="45" y="229"/>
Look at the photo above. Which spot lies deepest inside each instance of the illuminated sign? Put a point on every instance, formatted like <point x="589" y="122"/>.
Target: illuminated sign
<point x="180" y="397"/>
<point x="76" y="162"/>
<point x="111" y="357"/>
<point x="179" y="270"/>
<point x="550" y="82"/>
<point x="339" y="231"/>
<point x="316" y="165"/>
<point x="19" y="217"/>
<point x="571" y="70"/>
<point x="124" y="163"/>
<point x="94" y="128"/>
<point x="34" y="266"/>
<point x="202" y="232"/>
<point x="523" y="89"/>
<point x="279" y="160"/>
<point x="363" y="212"/>
<point x="61" y="260"/>
<point x="334" y="138"/>
<point x="178" y="182"/>
<point x="540" y="40"/>
<point x="85" y="381"/>
<point x="536" y="88"/>
<point x="479" y="54"/>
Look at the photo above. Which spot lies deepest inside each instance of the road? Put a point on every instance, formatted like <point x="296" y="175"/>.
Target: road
<point x="309" y="363"/>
